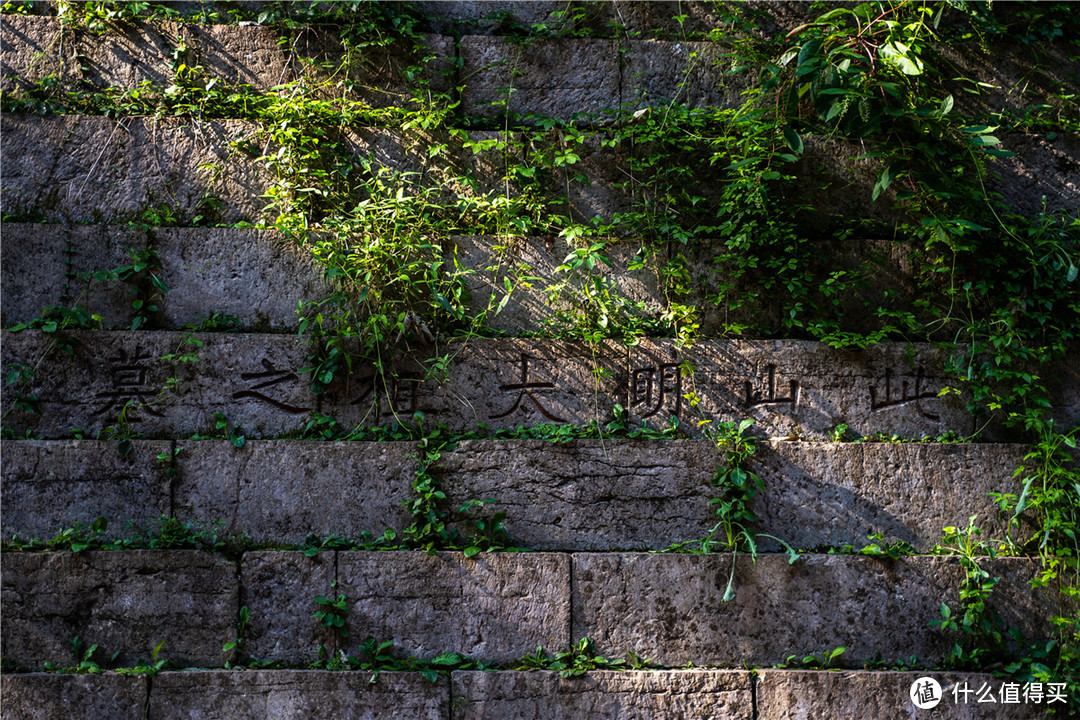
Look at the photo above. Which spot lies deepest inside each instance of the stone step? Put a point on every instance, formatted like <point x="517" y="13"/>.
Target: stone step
<point x="572" y="496"/>
<point x="496" y="607"/>
<point x="92" y="169"/>
<point x="670" y="694"/>
<point x="171" y="384"/>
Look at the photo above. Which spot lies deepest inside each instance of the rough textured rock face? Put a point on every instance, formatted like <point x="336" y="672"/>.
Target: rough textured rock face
<point x="78" y="169"/>
<point x="39" y="696"/>
<point x="50" y="485"/>
<point x="492" y="607"/>
<point x="557" y="77"/>
<point x="296" y="695"/>
<point x="588" y="495"/>
<point x="280" y="491"/>
<point x="676" y="603"/>
<point x="280" y="588"/>
<point x="690" y="694"/>
<point x="126" y="602"/>
<point x="788" y="694"/>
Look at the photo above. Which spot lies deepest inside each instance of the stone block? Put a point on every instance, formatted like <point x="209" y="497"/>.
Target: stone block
<point x="56" y="265"/>
<point x="256" y="276"/>
<point x="494" y="607"/>
<point x="688" y="73"/>
<point x="49" y="696"/>
<point x="279" y="590"/>
<point x="820" y="495"/>
<point x="676" y="601"/>
<point x="49" y="485"/>
<point x="679" y="615"/>
<point x="297" y="695"/>
<point x="133" y="52"/>
<point x="126" y="602"/>
<point x="531" y="264"/>
<point x="588" y="494"/>
<point x="503" y="383"/>
<point x="252" y="379"/>
<point x="36" y="269"/>
<point x="279" y="491"/>
<point x="556" y="77"/>
<point x="783" y="694"/>
<point x="798" y="389"/>
<point x="31" y="49"/>
<point x="686" y="694"/>
<point x="77" y="169"/>
<point x="1042" y="171"/>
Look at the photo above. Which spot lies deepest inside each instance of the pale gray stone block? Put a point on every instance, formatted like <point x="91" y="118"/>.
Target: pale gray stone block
<point x="252" y="379"/>
<point x="679" y="616"/>
<point x="72" y="168"/>
<point x="279" y="590"/>
<point x="279" y="491"/>
<point x="51" y="696"/>
<point x="783" y="694"/>
<point x="556" y="77"/>
<point x="49" y="485"/>
<point x="126" y="602"/>
<point x="256" y="276"/>
<point x="297" y="695"/>
<point x="688" y="73"/>
<point x="493" y="607"/>
<point x="588" y="494"/>
<point x="686" y="694"/>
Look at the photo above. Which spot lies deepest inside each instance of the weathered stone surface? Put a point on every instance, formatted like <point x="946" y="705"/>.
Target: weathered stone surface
<point x="51" y="696"/>
<point x="279" y="589"/>
<point x="617" y="494"/>
<point x="531" y="264"/>
<point x="821" y="495"/>
<point x="617" y="695"/>
<point x="70" y="168"/>
<point x="799" y="389"/>
<point x="503" y="383"/>
<point x="505" y="17"/>
<point x="252" y="379"/>
<point x="689" y="73"/>
<point x="787" y="694"/>
<point x="279" y="491"/>
<point x="297" y="695"/>
<point x="126" y="602"/>
<point x="492" y="607"/>
<point x="1043" y="170"/>
<point x="883" y="606"/>
<point x="130" y="53"/>
<point x="588" y="494"/>
<point x="556" y="77"/>
<point x="49" y="485"/>
<point x="255" y="276"/>
<point x="53" y="265"/>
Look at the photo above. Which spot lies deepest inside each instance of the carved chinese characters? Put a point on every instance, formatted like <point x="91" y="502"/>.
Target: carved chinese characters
<point x="791" y="389"/>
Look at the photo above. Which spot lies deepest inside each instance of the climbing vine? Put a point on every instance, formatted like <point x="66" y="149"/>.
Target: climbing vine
<point x="723" y="208"/>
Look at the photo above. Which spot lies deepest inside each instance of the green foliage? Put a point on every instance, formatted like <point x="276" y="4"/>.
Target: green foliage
<point x="578" y="659"/>
<point x="333" y="613"/>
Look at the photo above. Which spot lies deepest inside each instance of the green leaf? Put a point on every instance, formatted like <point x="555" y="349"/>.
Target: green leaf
<point x="984" y="140"/>
<point x="794" y="142"/>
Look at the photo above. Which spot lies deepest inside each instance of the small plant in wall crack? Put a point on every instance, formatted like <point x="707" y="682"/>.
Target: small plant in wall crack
<point x="333" y="612"/>
<point x="738" y="486"/>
